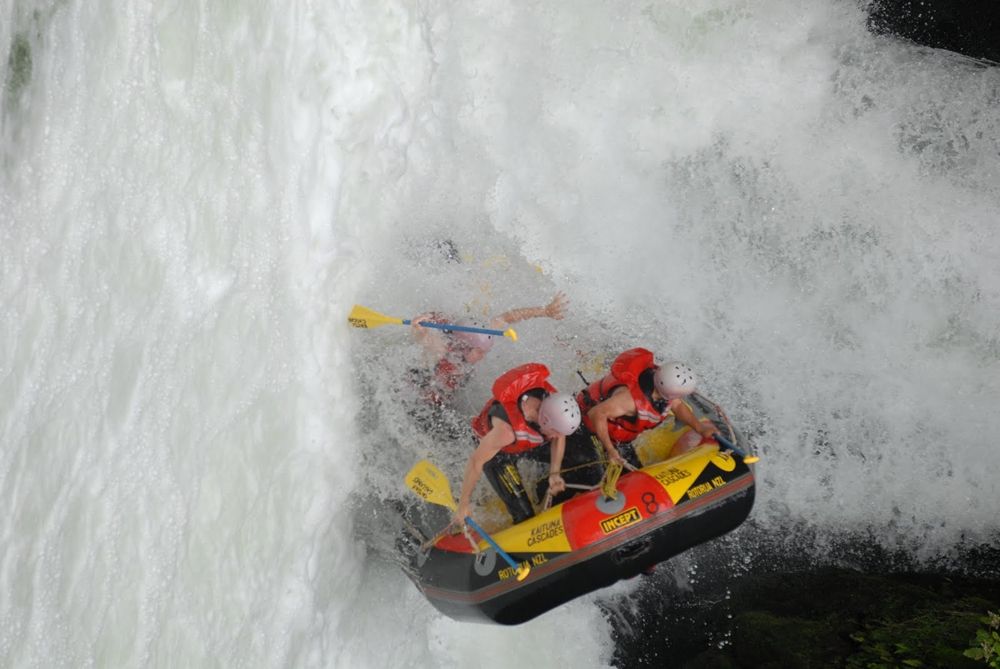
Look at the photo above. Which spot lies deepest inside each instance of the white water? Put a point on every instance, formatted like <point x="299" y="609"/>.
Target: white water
<point x="192" y="196"/>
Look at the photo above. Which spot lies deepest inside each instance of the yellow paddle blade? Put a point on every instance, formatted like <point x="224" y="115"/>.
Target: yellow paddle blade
<point x="363" y="317"/>
<point x="509" y="332"/>
<point x="431" y="484"/>
<point x="750" y="459"/>
<point x="523" y="570"/>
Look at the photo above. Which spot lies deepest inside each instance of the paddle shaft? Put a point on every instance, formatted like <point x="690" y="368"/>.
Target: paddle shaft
<point x="456" y="328"/>
<point x="501" y="552"/>
<point x="730" y="445"/>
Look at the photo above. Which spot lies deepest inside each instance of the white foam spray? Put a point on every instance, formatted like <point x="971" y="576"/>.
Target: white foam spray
<point x="192" y="196"/>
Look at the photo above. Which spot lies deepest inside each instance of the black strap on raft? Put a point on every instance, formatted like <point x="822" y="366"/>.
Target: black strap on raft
<point x="585" y="381"/>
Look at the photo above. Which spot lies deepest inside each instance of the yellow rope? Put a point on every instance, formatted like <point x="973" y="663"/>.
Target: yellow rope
<point x="610" y="484"/>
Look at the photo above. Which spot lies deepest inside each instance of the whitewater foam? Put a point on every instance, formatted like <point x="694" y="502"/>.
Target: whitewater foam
<point x="192" y="197"/>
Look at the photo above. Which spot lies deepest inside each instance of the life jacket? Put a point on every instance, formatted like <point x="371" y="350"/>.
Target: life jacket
<point x="507" y="392"/>
<point x="451" y="372"/>
<point x="625" y="371"/>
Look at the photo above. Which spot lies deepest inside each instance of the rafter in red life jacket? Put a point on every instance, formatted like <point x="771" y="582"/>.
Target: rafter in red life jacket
<point x="625" y="371"/>
<point x="508" y="390"/>
<point x="451" y="372"/>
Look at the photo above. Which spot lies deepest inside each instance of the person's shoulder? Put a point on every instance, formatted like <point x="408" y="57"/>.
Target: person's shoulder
<point x="501" y="428"/>
<point x="620" y="392"/>
<point x="622" y="399"/>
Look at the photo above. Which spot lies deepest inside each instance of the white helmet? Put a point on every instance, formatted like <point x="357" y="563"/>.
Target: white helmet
<point x="675" y="379"/>
<point x="479" y="340"/>
<point x="559" y="413"/>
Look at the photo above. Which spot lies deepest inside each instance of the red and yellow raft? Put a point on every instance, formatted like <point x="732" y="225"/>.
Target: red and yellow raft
<point x="591" y="541"/>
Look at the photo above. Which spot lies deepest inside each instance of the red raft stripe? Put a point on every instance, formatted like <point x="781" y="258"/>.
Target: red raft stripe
<point x="645" y="498"/>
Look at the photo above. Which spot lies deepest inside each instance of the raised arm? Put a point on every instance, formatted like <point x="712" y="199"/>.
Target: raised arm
<point x="556" y="309"/>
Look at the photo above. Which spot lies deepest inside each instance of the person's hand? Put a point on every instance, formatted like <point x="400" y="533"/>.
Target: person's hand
<point x="421" y="334"/>
<point x="706" y="431"/>
<point x="556" y="483"/>
<point x="615" y="456"/>
<point x="556" y="309"/>
<point x="460" y="514"/>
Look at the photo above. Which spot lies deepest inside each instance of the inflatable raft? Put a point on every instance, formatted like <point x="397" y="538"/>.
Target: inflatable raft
<point x="592" y="540"/>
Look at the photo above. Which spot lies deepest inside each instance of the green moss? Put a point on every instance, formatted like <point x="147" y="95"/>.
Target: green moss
<point x="986" y="645"/>
<point x="930" y="638"/>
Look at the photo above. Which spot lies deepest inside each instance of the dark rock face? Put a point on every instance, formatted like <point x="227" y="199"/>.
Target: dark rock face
<point x="827" y="618"/>
<point x="744" y="602"/>
<point x="969" y="27"/>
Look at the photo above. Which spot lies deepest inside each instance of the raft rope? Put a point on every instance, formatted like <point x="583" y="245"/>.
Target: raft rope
<point x="607" y="482"/>
<point x="427" y="545"/>
<point x="468" y="536"/>
<point x="609" y="486"/>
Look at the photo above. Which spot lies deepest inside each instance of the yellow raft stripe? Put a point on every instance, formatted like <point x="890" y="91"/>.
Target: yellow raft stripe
<point x="677" y="475"/>
<point x="545" y="532"/>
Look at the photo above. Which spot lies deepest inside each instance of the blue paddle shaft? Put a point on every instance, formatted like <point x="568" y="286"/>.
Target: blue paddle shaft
<point x="471" y="523"/>
<point x="456" y="328"/>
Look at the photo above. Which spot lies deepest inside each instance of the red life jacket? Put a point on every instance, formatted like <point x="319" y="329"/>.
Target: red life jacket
<point x="507" y="392"/>
<point x="625" y="371"/>
<point x="451" y="372"/>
